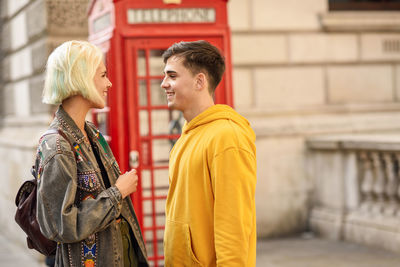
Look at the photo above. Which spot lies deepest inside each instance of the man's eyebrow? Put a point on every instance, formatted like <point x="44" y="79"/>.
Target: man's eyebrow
<point x="170" y="72"/>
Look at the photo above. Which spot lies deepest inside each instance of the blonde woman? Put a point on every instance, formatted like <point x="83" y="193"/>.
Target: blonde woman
<point x="83" y="201"/>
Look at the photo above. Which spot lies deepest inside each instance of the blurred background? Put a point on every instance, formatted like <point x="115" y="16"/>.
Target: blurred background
<point x="318" y="80"/>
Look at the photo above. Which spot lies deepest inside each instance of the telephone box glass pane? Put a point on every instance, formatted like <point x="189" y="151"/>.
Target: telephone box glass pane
<point x="161" y="149"/>
<point x="147" y="206"/>
<point x="176" y="122"/>
<point x="144" y="122"/>
<point x="160" y="205"/>
<point x="148" y="221"/>
<point x="166" y="122"/>
<point x="160" y="219"/>
<point x="158" y="97"/>
<point x="145" y="146"/>
<point x="148" y="234"/>
<point x="146" y="183"/>
<point x="159" y="121"/>
<point x="156" y="62"/>
<point x="142" y="93"/>
<point x="149" y="244"/>
<point x="160" y="243"/>
<point x="102" y="122"/>
<point x="161" y="182"/>
<point x="141" y="63"/>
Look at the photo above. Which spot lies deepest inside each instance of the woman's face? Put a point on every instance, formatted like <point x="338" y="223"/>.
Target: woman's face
<point x="102" y="83"/>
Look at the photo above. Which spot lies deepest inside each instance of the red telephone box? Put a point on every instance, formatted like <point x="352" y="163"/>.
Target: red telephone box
<point x="137" y="122"/>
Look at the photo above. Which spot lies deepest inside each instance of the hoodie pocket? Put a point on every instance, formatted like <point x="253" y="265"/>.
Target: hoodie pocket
<point x="178" y="245"/>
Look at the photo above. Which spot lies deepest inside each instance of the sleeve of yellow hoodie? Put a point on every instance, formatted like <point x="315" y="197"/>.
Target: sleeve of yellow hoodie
<point x="234" y="181"/>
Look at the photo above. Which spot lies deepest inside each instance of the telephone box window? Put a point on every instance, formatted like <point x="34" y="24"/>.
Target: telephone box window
<point x="142" y="93"/>
<point x="156" y="66"/>
<point x="141" y="63"/>
<point x="144" y="119"/>
<point x="157" y="93"/>
<point x="102" y="122"/>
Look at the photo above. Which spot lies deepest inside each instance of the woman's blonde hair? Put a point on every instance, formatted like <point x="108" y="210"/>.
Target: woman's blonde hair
<point x="70" y="71"/>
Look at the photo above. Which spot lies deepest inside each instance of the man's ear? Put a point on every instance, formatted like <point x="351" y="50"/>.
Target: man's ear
<point x="201" y="81"/>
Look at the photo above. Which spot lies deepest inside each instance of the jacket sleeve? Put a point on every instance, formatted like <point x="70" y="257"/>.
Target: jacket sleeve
<point x="234" y="182"/>
<point x="59" y="217"/>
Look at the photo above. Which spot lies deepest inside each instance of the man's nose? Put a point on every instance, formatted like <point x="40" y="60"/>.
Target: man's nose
<point x="164" y="84"/>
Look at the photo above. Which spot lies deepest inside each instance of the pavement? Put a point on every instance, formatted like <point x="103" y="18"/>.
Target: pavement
<point x="300" y="251"/>
<point x="12" y="255"/>
<point x="308" y="251"/>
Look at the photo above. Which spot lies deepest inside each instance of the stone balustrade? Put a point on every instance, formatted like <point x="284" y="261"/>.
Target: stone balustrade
<point x="356" y="195"/>
<point x="379" y="182"/>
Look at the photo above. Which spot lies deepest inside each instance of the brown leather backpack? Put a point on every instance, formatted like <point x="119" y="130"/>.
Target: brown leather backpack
<point x="26" y="218"/>
<point x="25" y="215"/>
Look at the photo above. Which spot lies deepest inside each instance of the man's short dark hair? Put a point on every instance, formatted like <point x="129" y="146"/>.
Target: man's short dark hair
<point x="199" y="56"/>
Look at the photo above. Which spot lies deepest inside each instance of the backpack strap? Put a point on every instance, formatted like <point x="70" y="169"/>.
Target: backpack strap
<point x="60" y="132"/>
<point x="55" y="131"/>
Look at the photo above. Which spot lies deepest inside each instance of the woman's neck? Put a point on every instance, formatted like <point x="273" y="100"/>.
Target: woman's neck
<point x="77" y="107"/>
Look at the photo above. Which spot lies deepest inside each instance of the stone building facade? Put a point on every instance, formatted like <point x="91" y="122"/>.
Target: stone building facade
<point x="299" y="71"/>
<point x="30" y="30"/>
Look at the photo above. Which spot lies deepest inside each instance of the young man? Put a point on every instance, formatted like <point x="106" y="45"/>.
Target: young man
<point x="210" y="209"/>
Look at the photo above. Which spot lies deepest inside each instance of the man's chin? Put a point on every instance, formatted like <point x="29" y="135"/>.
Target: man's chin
<point x="171" y="105"/>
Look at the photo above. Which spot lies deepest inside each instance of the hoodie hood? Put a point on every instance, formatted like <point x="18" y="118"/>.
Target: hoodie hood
<point x="218" y="112"/>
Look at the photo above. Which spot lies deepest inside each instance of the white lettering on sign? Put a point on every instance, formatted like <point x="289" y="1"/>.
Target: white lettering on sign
<point x="173" y="15"/>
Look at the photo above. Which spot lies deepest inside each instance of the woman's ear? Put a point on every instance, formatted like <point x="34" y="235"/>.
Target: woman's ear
<point x="201" y="81"/>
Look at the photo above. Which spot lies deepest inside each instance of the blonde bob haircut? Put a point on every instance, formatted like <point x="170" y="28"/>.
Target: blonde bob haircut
<point x="70" y="71"/>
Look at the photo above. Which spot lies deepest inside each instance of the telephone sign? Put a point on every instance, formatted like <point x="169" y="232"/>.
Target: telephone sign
<point x="171" y="15"/>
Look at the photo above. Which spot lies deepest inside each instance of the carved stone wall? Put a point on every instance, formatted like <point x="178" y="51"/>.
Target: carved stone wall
<point x="66" y="20"/>
<point x="67" y="14"/>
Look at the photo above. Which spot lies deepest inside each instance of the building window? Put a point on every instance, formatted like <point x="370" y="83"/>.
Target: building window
<point x="361" y="5"/>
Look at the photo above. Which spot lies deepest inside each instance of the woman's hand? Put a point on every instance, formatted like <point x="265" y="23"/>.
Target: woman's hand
<point x="127" y="183"/>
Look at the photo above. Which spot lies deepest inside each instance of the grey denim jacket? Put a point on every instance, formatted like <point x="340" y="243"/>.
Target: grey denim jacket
<point x="74" y="207"/>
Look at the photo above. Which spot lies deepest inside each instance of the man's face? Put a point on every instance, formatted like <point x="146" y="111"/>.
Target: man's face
<point x="179" y="84"/>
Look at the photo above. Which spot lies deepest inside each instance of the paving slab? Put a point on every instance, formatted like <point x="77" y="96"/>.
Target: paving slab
<point x="314" y="252"/>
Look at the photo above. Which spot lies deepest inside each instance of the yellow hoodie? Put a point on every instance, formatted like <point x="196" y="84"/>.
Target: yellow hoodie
<point x="210" y="208"/>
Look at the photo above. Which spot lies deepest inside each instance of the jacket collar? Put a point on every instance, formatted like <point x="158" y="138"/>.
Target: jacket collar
<point x="68" y="124"/>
